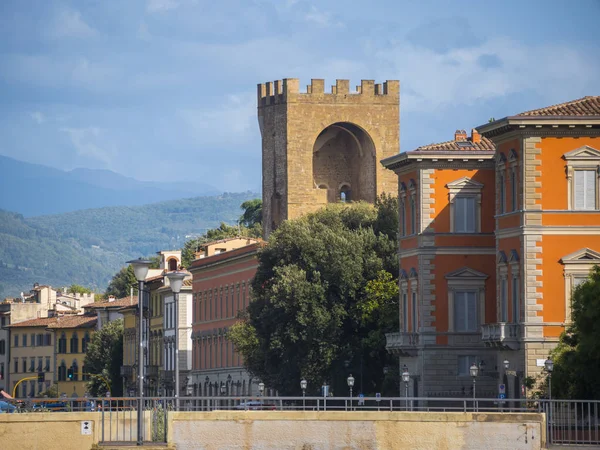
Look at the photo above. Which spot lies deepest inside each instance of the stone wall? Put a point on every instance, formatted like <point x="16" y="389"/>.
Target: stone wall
<point x="342" y="430"/>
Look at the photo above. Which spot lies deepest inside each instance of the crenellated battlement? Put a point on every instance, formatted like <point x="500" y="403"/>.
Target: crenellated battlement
<point x="280" y="91"/>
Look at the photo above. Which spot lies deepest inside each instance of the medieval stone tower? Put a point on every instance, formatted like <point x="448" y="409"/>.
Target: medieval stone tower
<point x="322" y="147"/>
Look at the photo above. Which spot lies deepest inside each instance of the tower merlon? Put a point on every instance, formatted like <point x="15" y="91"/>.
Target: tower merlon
<point x="278" y="91"/>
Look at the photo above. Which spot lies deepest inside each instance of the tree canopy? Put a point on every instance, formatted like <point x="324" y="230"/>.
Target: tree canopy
<point x="104" y="359"/>
<point x="324" y="295"/>
<point x="252" y="213"/>
<point x="577" y="356"/>
<point x="122" y="282"/>
<point x="77" y="289"/>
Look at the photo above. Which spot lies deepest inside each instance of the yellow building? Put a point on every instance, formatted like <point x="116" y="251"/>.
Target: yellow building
<point x="72" y="335"/>
<point x="130" y="348"/>
<point x="31" y="352"/>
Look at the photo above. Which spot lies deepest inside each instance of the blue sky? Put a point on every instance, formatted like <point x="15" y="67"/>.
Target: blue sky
<point x="166" y="89"/>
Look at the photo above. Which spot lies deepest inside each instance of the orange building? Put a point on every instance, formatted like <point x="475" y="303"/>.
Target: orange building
<point x="495" y="233"/>
<point x="222" y="274"/>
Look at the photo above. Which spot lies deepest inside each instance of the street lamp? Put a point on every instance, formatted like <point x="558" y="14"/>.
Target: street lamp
<point x="140" y="270"/>
<point x="176" y="281"/>
<point x="223" y="389"/>
<point x="303" y="384"/>
<point x="474" y="369"/>
<point x="261" y="388"/>
<point x="406" y="379"/>
<point x="549" y="365"/>
<point x="350" y="381"/>
<point x="506" y="364"/>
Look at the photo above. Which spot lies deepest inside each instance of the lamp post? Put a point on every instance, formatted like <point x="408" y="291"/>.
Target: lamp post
<point x="506" y="364"/>
<point x="350" y="381"/>
<point x="176" y="281"/>
<point x="261" y="389"/>
<point x="406" y="379"/>
<point x="549" y="365"/>
<point x="474" y="369"/>
<point x="303" y="385"/>
<point x="140" y="270"/>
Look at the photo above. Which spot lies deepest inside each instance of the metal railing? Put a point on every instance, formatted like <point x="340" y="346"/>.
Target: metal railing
<point x="571" y="422"/>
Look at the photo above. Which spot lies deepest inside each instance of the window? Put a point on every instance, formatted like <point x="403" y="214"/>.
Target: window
<point x="503" y="300"/>
<point x="577" y="267"/>
<point x="464" y="365"/>
<point x="16" y="365"/>
<point x="2" y="347"/>
<point x="62" y="371"/>
<point x="84" y="342"/>
<point x="585" y="189"/>
<point x="33" y="339"/>
<point x="16" y="340"/>
<point x="403" y="218"/>
<point x="2" y="371"/>
<point x="40" y="364"/>
<point x="502" y="191"/>
<point x="465" y="311"/>
<point x="32" y="364"/>
<point x="578" y="281"/>
<point x="515" y="300"/>
<point x="47" y="339"/>
<point x="464" y="215"/>
<point x="39" y="340"/>
<point x="415" y="324"/>
<point x="345" y="193"/>
<point x="47" y="365"/>
<point x="62" y="343"/>
<point x="513" y="191"/>
<point x="2" y="321"/>
<point x="24" y="340"/>
<point x="24" y="365"/>
<point x="413" y="216"/>
<point x="405" y="311"/>
<point x="75" y="368"/>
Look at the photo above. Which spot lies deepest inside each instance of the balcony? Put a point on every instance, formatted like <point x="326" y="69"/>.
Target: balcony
<point x="501" y="335"/>
<point x="126" y="371"/>
<point x="402" y="344"/>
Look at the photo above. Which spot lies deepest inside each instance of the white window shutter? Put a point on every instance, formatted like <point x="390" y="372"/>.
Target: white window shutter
<point x="579" y="186"/>
<point x="470" y="225"/>
<point x="590" y="189"/>
<point x="471" y="311"/>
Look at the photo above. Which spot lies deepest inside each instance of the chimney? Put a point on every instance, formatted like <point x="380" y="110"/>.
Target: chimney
<point x="111" y="298"/>
<point x="460" y="135"/>
<point x="475" y="136"/>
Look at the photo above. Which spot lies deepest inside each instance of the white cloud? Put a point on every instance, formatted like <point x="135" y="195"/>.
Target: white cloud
<point x="321" y="18"/>
<point x="69" y="23"/>
<point x="38" y="117"/>
<point x="431" y="79"/>
<point x="157" y="6"/>
<point x="87" y="143"/>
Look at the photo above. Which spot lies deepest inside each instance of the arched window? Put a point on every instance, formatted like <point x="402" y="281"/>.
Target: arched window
<point x="84" y="342"/>
<point x="74" y="343"/>
<point x="75" y="368"/>
<point x="345" y="193"/>
<point x="172" y="264"/>
<point x="62" y="371"/>
<point x="62" y="343"/>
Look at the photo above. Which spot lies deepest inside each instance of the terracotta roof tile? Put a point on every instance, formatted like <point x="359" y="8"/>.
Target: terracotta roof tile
<point x="465" y="146"/>
<point x="125" y="301"/>
<point x="74" y="322"/>
<point x="41" y="322"/>
<point x="586" y="106"/>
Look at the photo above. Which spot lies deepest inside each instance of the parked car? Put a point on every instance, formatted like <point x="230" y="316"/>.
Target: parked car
<point x="256" y="406"/>
<point x="6" y="407"/>
<point x="50" y="406"/>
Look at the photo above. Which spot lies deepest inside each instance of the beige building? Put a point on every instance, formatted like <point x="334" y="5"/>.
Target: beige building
<point x="320" y="147"/>
<point x="31" y="352"/>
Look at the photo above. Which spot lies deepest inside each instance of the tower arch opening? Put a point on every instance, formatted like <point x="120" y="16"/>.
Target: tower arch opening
<point x="344" y="163"/>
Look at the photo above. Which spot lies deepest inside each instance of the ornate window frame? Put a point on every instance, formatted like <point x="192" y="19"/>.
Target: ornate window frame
<point x="582" y="158"/>
<point x="465" y="187"/>
<point x="414" y="294"/>
<point x="513" y="161"/>
<point x="403" y="281"/>
<point x="466" y="279"/>
<point x="577" y="265"/>
<point x="414" y="212"/>
<point x="515" y="305"/>
<point x="502" y="281"/>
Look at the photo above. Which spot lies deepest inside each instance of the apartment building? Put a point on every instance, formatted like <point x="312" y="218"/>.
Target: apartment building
<point x="496" y="230"/>
<point x="222" y="274"/>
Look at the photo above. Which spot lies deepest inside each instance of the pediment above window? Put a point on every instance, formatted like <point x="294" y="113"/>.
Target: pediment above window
<point x="501" y="158"/>
<point x="582" y="256"/>
<point x="402" y="187"/>
<point x="466" y="273"/>
<point x="464" y="182"/>
<point x="513" y="257"/>
<point x="583" y="153"/>
<point x="512" y="155"/>
<point x="403" y="275"/>
<point x="412" y="273"/>
<point x="502" y="259"/>
<point x="412" y="184"/>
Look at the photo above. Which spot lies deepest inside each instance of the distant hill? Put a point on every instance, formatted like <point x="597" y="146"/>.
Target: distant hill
<point x="33" y="189"/>
<point x="88" y="247"/>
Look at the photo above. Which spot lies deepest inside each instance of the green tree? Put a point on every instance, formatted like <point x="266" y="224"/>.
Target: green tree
<point x="323" y="299"/>
<point x="104" y="359"/>
<point x="252" y="213"/>
<point x="577" y="356"/>
<point x="121" y="283"/>
<point x="77" y="289"/>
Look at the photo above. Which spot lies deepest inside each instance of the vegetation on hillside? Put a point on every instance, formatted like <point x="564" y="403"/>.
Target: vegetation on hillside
<point x="324" y="296"/>
<point x="88" y="247"/>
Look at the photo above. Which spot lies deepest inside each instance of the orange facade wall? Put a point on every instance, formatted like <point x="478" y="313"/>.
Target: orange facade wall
<point x="554" y="178"/>
<point x="509" y="221"/>
<point x="554" y="248"/>
<point x="445" y="264"/>
<point x="442" y="177"/>
<point x="571" y="219"/>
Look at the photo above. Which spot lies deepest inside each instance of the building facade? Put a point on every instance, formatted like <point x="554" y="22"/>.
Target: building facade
<point x="495" y="232"/>
<point x="72" y="335"/>
<point x="320" y="147"/>
<point x="221" y="289"/>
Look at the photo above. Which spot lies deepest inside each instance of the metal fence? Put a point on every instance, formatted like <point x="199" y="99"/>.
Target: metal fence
<point x="572" y="422"/>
